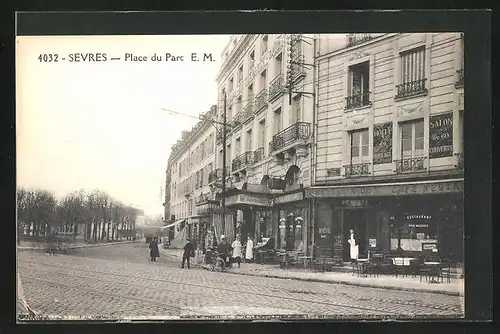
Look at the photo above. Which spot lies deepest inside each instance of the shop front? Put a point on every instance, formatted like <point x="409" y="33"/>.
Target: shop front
<point x="408" y="218"/>
<point x="206" y="208"/>
<point x="291" y="211"/>
<point x="251" y="214"/>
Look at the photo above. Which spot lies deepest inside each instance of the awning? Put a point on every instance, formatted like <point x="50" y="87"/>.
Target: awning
<point x="174" y="224"/>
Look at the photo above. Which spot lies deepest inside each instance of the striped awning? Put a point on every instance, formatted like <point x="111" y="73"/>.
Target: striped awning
<point x="174" y="224"/>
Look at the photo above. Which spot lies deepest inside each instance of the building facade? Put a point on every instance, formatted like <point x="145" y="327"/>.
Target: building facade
<point x="388" y="150"/>
<point x="268" y="152"/>
<point x="191" y="162"/>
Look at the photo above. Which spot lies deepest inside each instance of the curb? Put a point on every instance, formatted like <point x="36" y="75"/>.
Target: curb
<point x="364" y="285"/>
<point x="28" y="248"/>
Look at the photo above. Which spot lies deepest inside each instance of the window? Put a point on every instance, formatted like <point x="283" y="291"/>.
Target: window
<point x="202" y="180"/>
<point x="229" y="114"/>
<point x="278" y="64"/>
<point x="220" y="158"/>
<point x="228" y="154"/>
<point x="264" y="44"/>
<point x="197" y="184"/>
<point x="251" y="60"/>
<point x="412" y="139"/>
<point x="231" y="85"/>
<point x="249" y="140"/>
<point x="238" y="146"/>
<point x="262" y="132"/>
<point x="250" y="92"/>
<point x="277" y="121"/>
<point x="359" y="146"/>
<point x="412" y="68"/>
<point x="240" y="74"/>
<point x="295" y="111"/>
<point x="239" y="103"/>
<point x="263" y="80"/>
<point x="359" y="85"/>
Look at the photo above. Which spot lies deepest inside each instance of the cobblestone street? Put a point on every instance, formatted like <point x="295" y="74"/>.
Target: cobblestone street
<point x="118" y="281"/>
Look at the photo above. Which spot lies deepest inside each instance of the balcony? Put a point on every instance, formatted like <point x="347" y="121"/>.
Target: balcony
<point x="290" y="135"/>
<point x="202" y="199"/>
<point x="242" y="161"/>
<point x="354" y="39"/>
<point x="187" y="190"/>
<point x="410" y="165"/>
<point x="460" y="78"/>
<point x="297" y="71"/>
<point x="258" y="155"/>
<point x="278" y="45"/>
<point x="358" y="101"/>
<point x="357" y="170"/>
<point x="248" y="112"/>
<point x="261" y="101"/>
<point x="276" y="87"/>
<point x="460" y="161"/>
<point x="214" y="175"/>
<point x="410" y="89"/>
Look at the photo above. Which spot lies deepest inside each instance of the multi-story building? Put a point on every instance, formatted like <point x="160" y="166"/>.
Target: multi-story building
<point x="388" y="153"/>
<point x="191" y="162"/>
<point x="268" y="142"/>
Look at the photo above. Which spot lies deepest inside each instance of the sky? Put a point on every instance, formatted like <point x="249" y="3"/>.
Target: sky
<point x="99" y="125"/>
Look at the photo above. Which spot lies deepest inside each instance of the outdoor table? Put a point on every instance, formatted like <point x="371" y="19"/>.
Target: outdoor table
<point x="361" y="264"/>
<point x="406" y="261"/>
<point x="435" y="265"/>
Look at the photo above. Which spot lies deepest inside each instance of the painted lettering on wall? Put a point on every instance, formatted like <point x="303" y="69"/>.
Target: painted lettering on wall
<point x="441" y="136"/>
<point x="382" y="143"/>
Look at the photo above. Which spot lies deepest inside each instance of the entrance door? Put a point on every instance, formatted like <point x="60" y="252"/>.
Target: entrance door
<point x="354" y="219"/>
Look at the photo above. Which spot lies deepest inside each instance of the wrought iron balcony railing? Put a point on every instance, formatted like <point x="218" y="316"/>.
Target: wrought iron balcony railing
<point x="358" y="101"/>
<point x="248" y="112"/>
<point x="218" y="136"/>
<point x="242" y="161"/>
<point x="203" y="198"/>
<point x="261" y="101"/>
<point x="237" y="120"/>
<point x="214" y="175"/>
<point x="460" y="78"/>
<point x="258" y="155"/>
<point x="276" y="87"/>
<point x="357" y="170"/>
<point x="353" y="39"/>
<point x="409" y="165"/>
<point x="297" y="131"/>
<point x="297" y="71"/>
<point x="460" y="161"/>
<point x="411" y="88"/>
<point x="188" y="189"/>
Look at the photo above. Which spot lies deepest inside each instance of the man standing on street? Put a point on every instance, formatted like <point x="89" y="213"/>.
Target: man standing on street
<point x="154" y="251"/>
<point x="188" y="251"/>
<point x="223" y="249"/>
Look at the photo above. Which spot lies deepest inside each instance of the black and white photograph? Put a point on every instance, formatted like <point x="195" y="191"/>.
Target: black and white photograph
<point x="250" y="176"/>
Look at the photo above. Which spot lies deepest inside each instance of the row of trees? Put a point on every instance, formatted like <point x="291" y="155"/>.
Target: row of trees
<point x="101" y="216"/>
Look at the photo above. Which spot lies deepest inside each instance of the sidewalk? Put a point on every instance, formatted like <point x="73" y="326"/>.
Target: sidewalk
<point x="455" y="288"/>
<point x="30" y="245"/>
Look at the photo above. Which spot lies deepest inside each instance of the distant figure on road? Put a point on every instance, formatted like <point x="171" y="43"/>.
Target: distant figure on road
<point x="154" y="251"/>
<point x="249" y="250"/>
<point x="236" y="245"/>
<point x="188" y="252"/>
<point x="223" y="249"/>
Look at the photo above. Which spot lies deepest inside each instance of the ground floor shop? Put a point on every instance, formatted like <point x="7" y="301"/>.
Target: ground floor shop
<point x="281" y="220"/>
<point x="399" y="218"/>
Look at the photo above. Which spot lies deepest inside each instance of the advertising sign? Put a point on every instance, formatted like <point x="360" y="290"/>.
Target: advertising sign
<point x="382" y="143"/>
<point x="441" y="136"/>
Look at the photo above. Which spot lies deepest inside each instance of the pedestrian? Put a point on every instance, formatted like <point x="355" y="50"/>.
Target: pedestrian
<point x="188" y="252"/>
<point x="223" y="250"/>
<point x="236" y="245"/>
<point x="249" y="250"/>
<point x="154" y="251"/>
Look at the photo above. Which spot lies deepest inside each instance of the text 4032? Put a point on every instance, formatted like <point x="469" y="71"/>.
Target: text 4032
<point x="48" y="58"/>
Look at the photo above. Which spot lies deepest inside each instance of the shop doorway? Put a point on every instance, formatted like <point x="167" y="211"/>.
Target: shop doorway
<point x="354" y="219"/>
<point x="247" y="226"/>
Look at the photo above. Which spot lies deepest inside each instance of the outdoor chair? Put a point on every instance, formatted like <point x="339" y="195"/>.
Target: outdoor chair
<point x="399" y="268"/>
<point x="446" y="270"/>
<point x="319" y="265"/>
<point x="430" y="268"/>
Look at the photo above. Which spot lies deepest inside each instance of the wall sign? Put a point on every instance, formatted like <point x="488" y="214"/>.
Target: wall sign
<point x="441" y="136"/>
<point x="248" y="200"/>
<point x="289" y="198"/>
<point x="444" y="187"/>
<point x="382" y="143"/>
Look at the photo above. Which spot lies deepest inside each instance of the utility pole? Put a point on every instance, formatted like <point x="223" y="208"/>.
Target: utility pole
<point x="223" y="193"/>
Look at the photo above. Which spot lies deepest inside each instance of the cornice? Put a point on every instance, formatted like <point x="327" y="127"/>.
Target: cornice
<point x="186" y="143"/>
<point x="232" y="60"/>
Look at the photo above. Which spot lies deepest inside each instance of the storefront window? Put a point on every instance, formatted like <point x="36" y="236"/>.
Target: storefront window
<point x="291" y="230"/>
<point x="415" y="230"/>
<point x="265" y="229"/>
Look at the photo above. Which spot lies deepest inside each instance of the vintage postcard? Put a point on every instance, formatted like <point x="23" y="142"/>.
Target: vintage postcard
<point x="253" y="176"/>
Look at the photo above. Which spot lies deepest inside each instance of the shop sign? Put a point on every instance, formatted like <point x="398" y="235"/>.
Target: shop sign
<point x="441" y="136"/>
<point x="382" y="143"/>
<point x="372" y="242"/>
<point x="324" y="230"/>
<point x="354" y="202"/>
<point x="289" y="198"/>
<point x="418" y="225"/>
<point x="444" y="187"/>
<point x="429" y="246"/>
<point x="410" y="217"/>
<point x="248" y="200"/>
